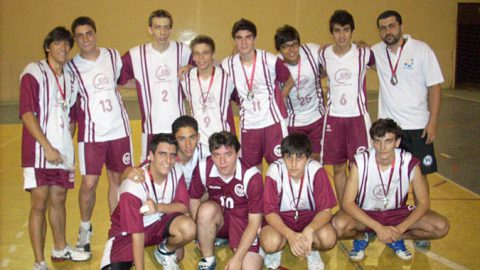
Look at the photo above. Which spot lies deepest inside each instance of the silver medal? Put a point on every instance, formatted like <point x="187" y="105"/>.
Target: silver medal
<point x="250" y="95"/>
<point x="385" y="203"/>
<point x="394" y="80"/>
<point x="296" y="215"/>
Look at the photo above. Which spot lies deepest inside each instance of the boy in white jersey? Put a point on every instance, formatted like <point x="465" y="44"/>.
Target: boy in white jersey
<point x="258" y="76"/>
<point x="298" y="202"/>
<point x="151" y="212"/>
<point x="208" y="89"/>
<point x="103" y="124"/>
<point x="47" y="92"/>
<point x="305" y="101"/>
<point x="347" y="121"/>
<point x="154" y="68"/>
<point x="376" y="194"/>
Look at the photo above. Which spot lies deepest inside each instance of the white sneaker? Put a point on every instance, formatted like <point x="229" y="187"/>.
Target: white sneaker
<point x="315" y="261"/>
<point x="69" y="253"/>
<point x="273" y="260"/>
<point x="83" y="240"/>
<point x="40" y="266"/>
<point x="168" y="261"/>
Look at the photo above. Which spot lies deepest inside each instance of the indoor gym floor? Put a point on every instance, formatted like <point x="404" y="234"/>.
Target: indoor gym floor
<point x="454" y="189"/>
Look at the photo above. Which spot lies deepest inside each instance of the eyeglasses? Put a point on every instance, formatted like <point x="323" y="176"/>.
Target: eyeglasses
<point x="290" y="45"/>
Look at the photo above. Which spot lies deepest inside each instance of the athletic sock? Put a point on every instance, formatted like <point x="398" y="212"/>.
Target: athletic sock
<point x="209" y="260"/>
<point x="85" y="225"/>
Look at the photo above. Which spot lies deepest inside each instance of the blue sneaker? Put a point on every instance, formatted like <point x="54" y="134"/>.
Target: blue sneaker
<point x="400" y="250"/>
<point x="358" y="250"/>
<point x="203" y="265"/>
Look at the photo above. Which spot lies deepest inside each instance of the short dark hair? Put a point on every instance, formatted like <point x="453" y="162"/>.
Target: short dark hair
<point x="383" y="126"/>
<point x="58" y="33"/>
<point x="160" y="13"/>
<point x="244" y="24"/>
<point x="184" y="121"/>
<point x="83" y="20"/>
<point x="285" y="34"/>
<point x="389" y="13"/>
<point x="203" y="39"/>
<point x="162" y="138"/>
<point x="341" y="17"/>
<point x="225" y="139"/>
<point x="296" y="144"/>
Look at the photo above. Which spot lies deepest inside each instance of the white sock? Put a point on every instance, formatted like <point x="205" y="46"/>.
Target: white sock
<point x="210" y="260"/>
<point x="85" y="225"/>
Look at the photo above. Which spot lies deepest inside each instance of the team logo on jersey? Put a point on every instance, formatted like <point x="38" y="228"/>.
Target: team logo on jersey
<point x="378" y="192"/>
<point x="163" y="73"/>
<point x="71" y="176"/>
<point x="239" y="190"/>
<point x="207" y="99"/>
<point x="126" y="158"/>
<point x="101" y="81"/>
<point x="302" y="204"/>
<point x="277" y="150"/>
<point x="427" y="160"/>
<point x="361" y="149"/>
<point x="409" y="64"/>
<point x="328" y="128"/>
<point x="343" y="76"/>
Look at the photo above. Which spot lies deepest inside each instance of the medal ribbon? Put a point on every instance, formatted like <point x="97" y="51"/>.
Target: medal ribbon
<point x="299" y="191"/>
<point x="62" y="91"/>
<point x="394" y="69"/>
<point x="250" y="82"/>
<point x="298" y="78"/>
<point x="153" y="186"/>
<point x="392" y="167"/>
<point x="204" y="99"/>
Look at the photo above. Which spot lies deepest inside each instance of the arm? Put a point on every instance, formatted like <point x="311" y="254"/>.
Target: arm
<point x="320" y="219"/>
<point x="248" y="236"/>
<point x="434" y="100"/>
<point x="138" y="248"/>
<point x="287" y="87"/>
<point x="194" y="203"/>
<point x="31" y="123"/>
<point x="423" y="201"/>
<point x="385" y="234"/>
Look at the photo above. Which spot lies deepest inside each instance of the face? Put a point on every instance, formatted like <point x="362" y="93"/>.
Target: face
<point x="225" y="159"/>
<point x="58" y="51"/>
<point x="163" y="160"/>
<point x="289" y="51"/>
<point x="187" y="139"/>
<point x="390" y="30"/>
<point x="202" y="56"/>
<point x="244" y="41"/>
<point x="295" y="165"/>
<point x="160" y="30"/>
<point x="385" y="147"/>
<point x="86" y="38"/>
<point x="342" y="34"/>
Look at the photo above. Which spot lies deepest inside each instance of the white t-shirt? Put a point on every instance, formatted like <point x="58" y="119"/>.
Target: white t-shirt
<point x="418" y="68"/>
<point x="305" y="104"/>
<point x="209" y="107"/>
<point x="101" y="115"/>
<point x="346" y="81"/>
<point x="201" y="152"/>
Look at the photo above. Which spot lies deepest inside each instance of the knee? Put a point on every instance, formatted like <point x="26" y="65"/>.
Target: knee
<point x="208" y="213"/>
<point x="340" y="225"/>
<point x="58" y="198"/>
<point x="89" y="183"/>
<point x="270" y="242"/>
<point x="327" y="237"/>
<point x="185" y="228"/>
<point x="441" y="228"/>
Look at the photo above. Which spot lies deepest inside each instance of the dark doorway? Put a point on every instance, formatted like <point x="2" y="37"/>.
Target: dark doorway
<point x="467" y="71"/>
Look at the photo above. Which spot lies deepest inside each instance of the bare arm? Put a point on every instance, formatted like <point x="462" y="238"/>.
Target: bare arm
<point x="434" y="101"/>
<point x="138" y="248"/>
<point x="320" y="219"/>
<point x="194" y="203"/>
<point x="287" y="87"/>
<point x="31" y="123"/>
<point x="174" y="207"/>
<point x="420" y="190"/>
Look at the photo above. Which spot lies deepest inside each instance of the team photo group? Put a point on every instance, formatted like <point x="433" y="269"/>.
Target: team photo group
<point x="196" y="181"/>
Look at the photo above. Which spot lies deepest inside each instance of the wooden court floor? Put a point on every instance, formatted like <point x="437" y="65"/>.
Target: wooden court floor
<point x="459" y="250"/>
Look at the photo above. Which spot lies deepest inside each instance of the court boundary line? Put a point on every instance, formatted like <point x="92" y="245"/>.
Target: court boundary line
<point x="462" y="98"/>
<point x="457" y="184"/>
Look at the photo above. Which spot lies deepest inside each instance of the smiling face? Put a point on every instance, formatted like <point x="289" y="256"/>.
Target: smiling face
<point x="163" y="160"/>
<point x="342" y="35"/>
<point x="202" y="55"/>
<point x="58" y="52"/>
<point x="290" y="51"/>
<point x="86" y="38"/>
<point x="225" y="159"/>
<point x="245" y="42"/>
<point x="160" y="30"/>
